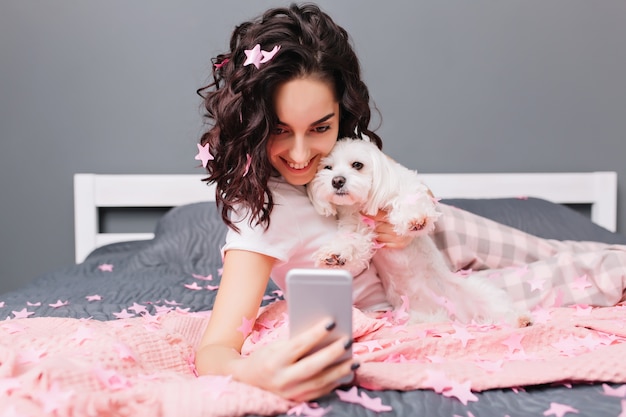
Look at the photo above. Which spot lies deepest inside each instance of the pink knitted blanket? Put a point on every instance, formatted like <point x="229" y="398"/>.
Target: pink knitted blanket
<point x="144" y="366"/>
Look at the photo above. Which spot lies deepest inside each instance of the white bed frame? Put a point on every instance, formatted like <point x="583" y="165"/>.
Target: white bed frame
<point x="93" y="191"/>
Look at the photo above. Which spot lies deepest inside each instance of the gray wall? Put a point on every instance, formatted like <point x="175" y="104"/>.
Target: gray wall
<point x="480" y="86"/>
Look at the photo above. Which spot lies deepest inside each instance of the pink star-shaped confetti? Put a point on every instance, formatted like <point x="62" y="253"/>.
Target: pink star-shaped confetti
<point x="59" y="303"/>
<point x="138" y="308"/>
<point x="22" y="314"/>
<point x="162" y="309"/>
<point x="123" y="314"/>
<point x="580" y="283"/>
<point x="614" y="392"/>
<point x="461" y="333"/>
<point x="371" y="403"/>
<point x="513" y="342"/>
<point x="583" y="310"/>
<point x="559" y="410"/>
<point x="203" y="277"/>
<point x="369" y="222"/>
<point x="460" y="391"/>
<point x="203" y="155"/>
<point x="248" y="163"/>
<point x="436" y="380"/>
<point x="105" y="267"/>
<point x="94" y="297"/>
<point x="246" y="326"/>
<point x="369" y="345"/>
<point x="256" y="56"/>
<point x="194" y="286"/>
<point x="212" y="287"/>
<point x="253" y="56"/>
<point x="536" y="283"/>
<point x="54" y="398"/>
<point x="111" y="379"/>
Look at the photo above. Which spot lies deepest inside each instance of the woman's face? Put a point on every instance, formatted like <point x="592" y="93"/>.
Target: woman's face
<point x="307" y="129"/>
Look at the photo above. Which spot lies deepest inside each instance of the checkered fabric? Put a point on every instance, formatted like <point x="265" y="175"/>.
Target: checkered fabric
<point x="536" y="272"/>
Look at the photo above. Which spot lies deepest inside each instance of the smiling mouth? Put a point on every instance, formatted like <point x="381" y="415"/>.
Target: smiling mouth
<point x="298" y="167"/>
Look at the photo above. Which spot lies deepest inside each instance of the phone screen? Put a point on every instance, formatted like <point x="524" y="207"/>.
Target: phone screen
<point x="317" y="294"/>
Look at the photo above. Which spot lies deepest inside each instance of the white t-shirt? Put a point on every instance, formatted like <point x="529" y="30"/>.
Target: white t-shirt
<point x="296" y="231"/>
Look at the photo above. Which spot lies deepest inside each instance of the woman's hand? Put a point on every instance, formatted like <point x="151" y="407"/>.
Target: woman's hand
<point x="385" y="233"/>
<point x="282" y="368"/>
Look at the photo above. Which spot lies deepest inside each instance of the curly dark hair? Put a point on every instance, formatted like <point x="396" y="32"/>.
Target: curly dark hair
<point x="239" y="102"/>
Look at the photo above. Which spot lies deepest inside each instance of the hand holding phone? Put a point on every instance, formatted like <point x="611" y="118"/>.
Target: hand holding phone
<point x="316" y="294"/>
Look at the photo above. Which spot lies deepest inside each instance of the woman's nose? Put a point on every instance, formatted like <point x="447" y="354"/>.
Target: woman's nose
<point x="299" y="152"/>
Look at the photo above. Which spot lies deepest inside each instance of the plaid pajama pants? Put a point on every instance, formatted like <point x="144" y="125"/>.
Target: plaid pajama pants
<point x="536" y="272"/>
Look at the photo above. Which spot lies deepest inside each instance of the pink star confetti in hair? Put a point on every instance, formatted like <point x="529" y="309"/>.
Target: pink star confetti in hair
<point x="105" y="267"/>
<point x="203" y="155"/>
<point x="256" y="56"/>
<point x="94" y="297"/>
<point x="221" y="64"/>
<point x="248" y="163"/>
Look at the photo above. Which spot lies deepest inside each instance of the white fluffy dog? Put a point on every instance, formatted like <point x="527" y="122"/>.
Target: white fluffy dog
<point x="356" y="177"/>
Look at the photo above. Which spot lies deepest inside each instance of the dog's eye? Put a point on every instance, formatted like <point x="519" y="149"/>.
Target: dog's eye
<point x="328" y="167"/>
<point x="357" y="165"/>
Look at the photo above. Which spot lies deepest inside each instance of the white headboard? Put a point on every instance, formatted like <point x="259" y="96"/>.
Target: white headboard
<point x="93" y="191"/>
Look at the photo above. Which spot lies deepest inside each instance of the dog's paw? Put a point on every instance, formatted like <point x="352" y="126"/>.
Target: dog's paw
<point x="524" y="320"/>
<point x="332" y="261"/>
<point x="417" y="225"/>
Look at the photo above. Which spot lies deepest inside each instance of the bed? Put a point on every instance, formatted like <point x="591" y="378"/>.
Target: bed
<point x="124" y="276"/>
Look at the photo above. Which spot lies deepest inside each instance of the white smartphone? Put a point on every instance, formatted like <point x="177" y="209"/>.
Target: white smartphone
<point x="314" y="294"/>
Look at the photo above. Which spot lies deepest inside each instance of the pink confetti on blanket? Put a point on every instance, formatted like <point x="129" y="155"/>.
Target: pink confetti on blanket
<point x="126" y="368"/>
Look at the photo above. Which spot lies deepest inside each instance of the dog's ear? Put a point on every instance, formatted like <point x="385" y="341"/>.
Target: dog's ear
<point x="385" y="181"/>
<point x="321" y="205"/>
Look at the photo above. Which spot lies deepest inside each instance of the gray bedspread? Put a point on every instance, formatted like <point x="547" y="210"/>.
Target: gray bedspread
<point x="122" y="278"/>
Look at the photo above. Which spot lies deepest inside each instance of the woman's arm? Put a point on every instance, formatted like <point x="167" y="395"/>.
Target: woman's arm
<point x="278" y="367"/>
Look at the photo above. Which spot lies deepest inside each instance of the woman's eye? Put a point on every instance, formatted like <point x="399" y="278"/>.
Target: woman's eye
<point x="278" y="131"/>
<point x="322" y="129"/>
<point x="357" y="165"/>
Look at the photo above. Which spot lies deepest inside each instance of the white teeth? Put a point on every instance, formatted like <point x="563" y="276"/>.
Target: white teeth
<point x="298" y="166"/>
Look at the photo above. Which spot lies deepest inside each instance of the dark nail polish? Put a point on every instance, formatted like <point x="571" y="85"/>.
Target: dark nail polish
<point x="355" y="366"/>
<point x="331" y="326"/>
<point x="348" y="344"/>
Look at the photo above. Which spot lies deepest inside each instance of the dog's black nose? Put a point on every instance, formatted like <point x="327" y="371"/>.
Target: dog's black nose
<point x="338" y="182"/>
